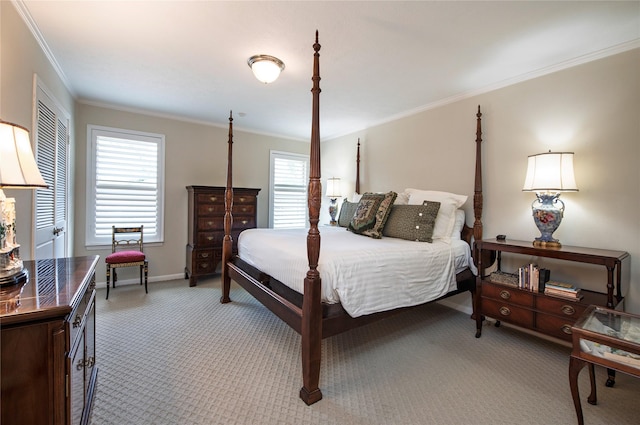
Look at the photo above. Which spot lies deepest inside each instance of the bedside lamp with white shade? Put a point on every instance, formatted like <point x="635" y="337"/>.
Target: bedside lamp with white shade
<point x="18" y="170"/>
<point x="333" y="193"/>
<point x="548" y="174"/>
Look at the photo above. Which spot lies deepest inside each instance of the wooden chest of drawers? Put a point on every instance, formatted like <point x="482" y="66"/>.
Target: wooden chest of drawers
<point x="206" y="226"/>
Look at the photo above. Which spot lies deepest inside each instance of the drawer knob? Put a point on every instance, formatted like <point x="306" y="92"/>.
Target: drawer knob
<point x="242" y="199"/>
<point x="505" y="311"/>
<point x="568" y="310"/>
<point x="245" y="221"/>
<point x="210" y="209"/>
<point x="209" y="223"/>
<point x="204" y="255"/>
<point x="505" y="295"/>
<point x="204" y="266"/>
<point x="566" y="329"/>
<point x="244" y="209"/>
<point x="213" y="199"/>
<point x="209" y="238"/>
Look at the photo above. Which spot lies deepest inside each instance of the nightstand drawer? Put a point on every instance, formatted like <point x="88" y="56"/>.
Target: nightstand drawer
<point x="555" y="326"/>
<point x="507" y="312"/>
<point x="558" y="307"/>
<point x="507" y="295"/>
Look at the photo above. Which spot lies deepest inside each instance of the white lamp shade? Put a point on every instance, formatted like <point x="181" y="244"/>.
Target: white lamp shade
<point x="550" y="172"/>
<point x="18" y="166"/>
<point x="333" y="188"/>
<point x="266" y="68"/>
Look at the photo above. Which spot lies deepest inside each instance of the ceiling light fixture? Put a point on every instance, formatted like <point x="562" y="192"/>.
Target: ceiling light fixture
<point x="266" y="68"/>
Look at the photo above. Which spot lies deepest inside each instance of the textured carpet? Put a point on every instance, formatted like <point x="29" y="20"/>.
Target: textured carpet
<point x="178" y="356"/>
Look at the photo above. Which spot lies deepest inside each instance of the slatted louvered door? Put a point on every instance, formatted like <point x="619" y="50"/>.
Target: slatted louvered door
<point x="52" y="153"/>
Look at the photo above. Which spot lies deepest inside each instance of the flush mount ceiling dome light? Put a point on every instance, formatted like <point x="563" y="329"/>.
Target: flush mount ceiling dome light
<point x="266" y="68"/>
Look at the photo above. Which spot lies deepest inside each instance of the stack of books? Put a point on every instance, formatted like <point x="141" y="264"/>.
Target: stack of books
<point x="563" y="290"/>
<point x="532" y="278"/>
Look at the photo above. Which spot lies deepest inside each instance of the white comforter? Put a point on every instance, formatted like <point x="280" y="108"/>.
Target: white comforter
<point x="366" y="275"/>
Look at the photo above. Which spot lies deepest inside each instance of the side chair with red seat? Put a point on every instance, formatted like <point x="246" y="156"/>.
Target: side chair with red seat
<point x="126" y="251"/>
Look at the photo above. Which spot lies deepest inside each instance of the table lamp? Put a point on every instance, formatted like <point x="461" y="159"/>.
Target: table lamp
<point x="333" y="192"/>
<point x="548" y="174"/>
<point x="18" y="170"/>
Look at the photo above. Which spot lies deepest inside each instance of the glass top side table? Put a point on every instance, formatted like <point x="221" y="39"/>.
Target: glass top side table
<point x="607" y="338"/>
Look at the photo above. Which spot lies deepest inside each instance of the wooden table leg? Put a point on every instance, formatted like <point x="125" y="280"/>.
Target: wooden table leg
<point x="592" y="399"/>
<point x="575" y="365"/>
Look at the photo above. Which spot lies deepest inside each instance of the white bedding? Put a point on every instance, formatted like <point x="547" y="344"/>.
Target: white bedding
<point x="366" y="275"/>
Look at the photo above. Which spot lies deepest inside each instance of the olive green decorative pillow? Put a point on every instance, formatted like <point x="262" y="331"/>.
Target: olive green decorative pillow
<point x="346" y="212"/>
<point x="412" y="222"/>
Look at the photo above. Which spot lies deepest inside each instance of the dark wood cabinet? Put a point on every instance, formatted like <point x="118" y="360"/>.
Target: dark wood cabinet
<point x="206" y="226"/>
<point x="534" y="310"/>
<point x="48" y="343"/>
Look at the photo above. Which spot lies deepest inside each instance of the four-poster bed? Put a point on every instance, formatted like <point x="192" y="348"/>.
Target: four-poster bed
<point x="304" y="310"/>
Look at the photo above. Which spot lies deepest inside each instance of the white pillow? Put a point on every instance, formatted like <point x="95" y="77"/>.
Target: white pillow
<point x="458" y="224"/>
<point x="449" y="203"/>
<point x="355" y="197"/>
<point x="402" y="199"/>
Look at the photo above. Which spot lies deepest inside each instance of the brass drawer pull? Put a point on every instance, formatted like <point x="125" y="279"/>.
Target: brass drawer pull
<point x="209" y="223"/>
<point x="505" y="295"/>
<point x="505" y="311"/>
<point x="213" y="199"/>
<point x="566" y="329"/>
<point x="241" y="199"/>
<point x="210" y="209"/>
<point x="245" y="221"/>
<point x="204" y="266"/>
<point x="209" y="238"/>
<point x="568" y="310"/>
<point x="204" y="255"/>
<point x="244" y="209"/>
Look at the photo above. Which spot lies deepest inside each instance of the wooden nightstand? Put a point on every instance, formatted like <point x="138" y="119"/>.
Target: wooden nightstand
<point x="535" y="310"/>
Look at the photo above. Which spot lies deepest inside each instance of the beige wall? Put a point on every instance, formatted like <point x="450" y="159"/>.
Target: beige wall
<point x="20" y="59"/>
<point x="195" y="154"/>
<point x="592" y="110"/>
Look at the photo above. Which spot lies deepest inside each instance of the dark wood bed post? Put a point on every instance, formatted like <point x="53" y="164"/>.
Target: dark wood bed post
<point x="358" y="168"/>
<point x="312" y="302"/>
<point x="477" y="195"/>
<point x="227" y="242"/>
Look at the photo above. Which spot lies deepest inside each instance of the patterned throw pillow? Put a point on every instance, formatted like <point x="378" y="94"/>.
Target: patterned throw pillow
<point x="346" y="212"/>
<point x="374" y="230"/>
<point x="412" y="222"/>
<point x="364" y="217"/>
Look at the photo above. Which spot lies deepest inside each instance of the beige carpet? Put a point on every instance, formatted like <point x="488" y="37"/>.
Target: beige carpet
<point x="177" y="356"/>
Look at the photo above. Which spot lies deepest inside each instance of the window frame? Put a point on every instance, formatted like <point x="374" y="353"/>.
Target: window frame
<point x="273" y="155"/>
<point x="93" y="131"/>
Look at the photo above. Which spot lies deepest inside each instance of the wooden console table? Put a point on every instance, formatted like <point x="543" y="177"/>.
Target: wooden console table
<point x="48" y="364"/>
<point x="608" y="338"/>
<point x="534" y="310"/>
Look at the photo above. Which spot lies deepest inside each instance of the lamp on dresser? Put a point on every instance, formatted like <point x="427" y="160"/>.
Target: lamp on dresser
<point x="548" y="174"/>
<point x="333" y="193"/>
<point x="18" y="170"/>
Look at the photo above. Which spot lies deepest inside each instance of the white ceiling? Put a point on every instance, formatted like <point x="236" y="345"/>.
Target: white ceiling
<point x="379" y="59"/>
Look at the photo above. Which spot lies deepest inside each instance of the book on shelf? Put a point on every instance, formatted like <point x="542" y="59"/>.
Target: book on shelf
<point x="566" y="294"/>
<point x="561" y="285"/>
<point x="529" y="277"/>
